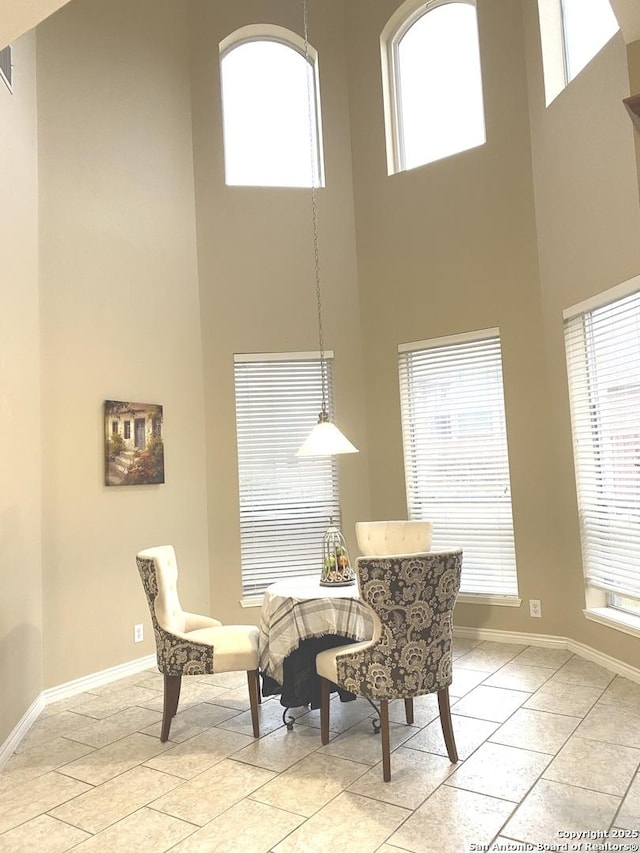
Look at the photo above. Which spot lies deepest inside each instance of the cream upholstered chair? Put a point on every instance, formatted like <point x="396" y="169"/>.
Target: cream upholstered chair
<point x="412" y="597"/>
<point x="393" y="537"/>
<point x="188" y="644"/>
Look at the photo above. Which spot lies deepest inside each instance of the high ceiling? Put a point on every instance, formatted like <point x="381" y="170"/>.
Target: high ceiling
<point x="18" y="16"/>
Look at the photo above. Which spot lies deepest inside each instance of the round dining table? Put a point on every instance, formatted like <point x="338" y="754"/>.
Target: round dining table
<point x="299" y="618"/>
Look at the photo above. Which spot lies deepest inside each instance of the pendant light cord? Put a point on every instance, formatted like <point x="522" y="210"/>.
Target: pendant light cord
<point x="314" y="212"/>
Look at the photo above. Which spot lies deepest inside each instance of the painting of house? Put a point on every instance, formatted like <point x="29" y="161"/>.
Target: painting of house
<point x="134" y="448"/>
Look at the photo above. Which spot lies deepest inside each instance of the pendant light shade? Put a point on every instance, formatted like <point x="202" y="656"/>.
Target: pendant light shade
<point x="325" y="439"/>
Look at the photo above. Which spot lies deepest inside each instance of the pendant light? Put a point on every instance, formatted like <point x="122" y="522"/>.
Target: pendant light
<point x="325" y="439"/>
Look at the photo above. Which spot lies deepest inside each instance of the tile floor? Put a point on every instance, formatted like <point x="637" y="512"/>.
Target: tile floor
<point x="549" y="745"/>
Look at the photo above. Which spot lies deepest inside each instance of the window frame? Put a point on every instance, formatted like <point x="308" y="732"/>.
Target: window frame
<point x="6" y="67"/>
<point x="555" y="48"/>
<point x="290" y="39"/>
<point x="598" y="604"/>
<point x="392" y="34"/>
<point x="251" y="598"/>
<point x="497" y="596"/>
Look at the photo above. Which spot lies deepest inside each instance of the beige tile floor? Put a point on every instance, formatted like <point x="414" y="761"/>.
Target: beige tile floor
<point x="549" y="746"/>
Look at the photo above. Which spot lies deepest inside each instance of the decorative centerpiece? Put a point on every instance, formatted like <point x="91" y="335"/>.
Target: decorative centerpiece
<point x="336" y="567"/>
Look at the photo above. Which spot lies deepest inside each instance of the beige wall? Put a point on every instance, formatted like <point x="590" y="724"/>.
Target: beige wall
<point x="120" y="319"/>
<point x="20" y="557"/>
<point x="505" y="235"/>
<point x="633" y="58"/>
<point x="588" y="237"/>
<point x="448" y="248"/>
<point x="627" y="13"/>
<point x="255" y="255"/>
<point x="151" y="281"/>
<point x="633" y="61"/>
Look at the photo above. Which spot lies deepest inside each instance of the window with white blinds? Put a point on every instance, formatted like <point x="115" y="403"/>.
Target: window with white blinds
<point x="285" y="501"/>
<point x="603" y="360"/>
<point x="455" y="454"/>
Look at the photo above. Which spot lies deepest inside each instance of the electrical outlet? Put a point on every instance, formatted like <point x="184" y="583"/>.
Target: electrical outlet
<point x="138" y="633"/>
<point x="535" y="608"/>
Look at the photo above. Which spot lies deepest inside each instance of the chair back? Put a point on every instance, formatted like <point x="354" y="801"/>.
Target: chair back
<point x="159" y="572"/>
<point x="377" y="538"/>
<point x="176" y="655"/>
<point x="412" y="596"/>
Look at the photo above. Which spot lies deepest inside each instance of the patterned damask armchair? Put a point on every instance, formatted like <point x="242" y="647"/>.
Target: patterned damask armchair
<point x="412" y="597"/>
<point x="190" y="644"/>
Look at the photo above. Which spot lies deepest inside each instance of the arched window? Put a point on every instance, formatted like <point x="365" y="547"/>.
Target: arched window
<point x="432" y="82"/>
<point x="270" y="108"/>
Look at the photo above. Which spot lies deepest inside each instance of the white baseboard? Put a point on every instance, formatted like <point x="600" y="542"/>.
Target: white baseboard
<point x="97" y="679"/>
<point x="63" y="691"/>
<point x="551" y="642"/>
<point x="114" y="673"/>
<point x="518" y="637"/>
<point x="24" y="724"/>
<point x="613" y="664"/>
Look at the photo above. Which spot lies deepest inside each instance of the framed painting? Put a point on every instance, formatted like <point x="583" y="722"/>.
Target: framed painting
<point x="133" y="444"/>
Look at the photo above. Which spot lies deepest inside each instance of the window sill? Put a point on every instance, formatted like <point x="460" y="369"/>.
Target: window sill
<point x="254" y="601"/>
<point x="614" y="619"/>
<point x="483" y="598"/>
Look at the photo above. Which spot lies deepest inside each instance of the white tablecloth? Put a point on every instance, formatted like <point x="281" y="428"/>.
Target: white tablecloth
<point x="294" y="610"/>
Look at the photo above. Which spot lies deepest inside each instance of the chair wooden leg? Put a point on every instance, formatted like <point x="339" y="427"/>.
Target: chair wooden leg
<point x="177" y="696"/>
<point x="171" y="696"/>
<point x="408" y="711"/>
<point x="324" y="710"/>
<point x="254" y="691"/>
<point x="384" y="730"/>
<point x="447" y="725"/>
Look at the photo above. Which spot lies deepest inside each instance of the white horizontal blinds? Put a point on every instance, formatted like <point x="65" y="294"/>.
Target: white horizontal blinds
<point x="455" y="449"/>
<point x="285" y="502"/>
<point x="603" y="356"/>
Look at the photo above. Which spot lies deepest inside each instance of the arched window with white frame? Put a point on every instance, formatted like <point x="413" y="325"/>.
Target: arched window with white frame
<point x="270" y="109"/>
<point x="432" y="82"/>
